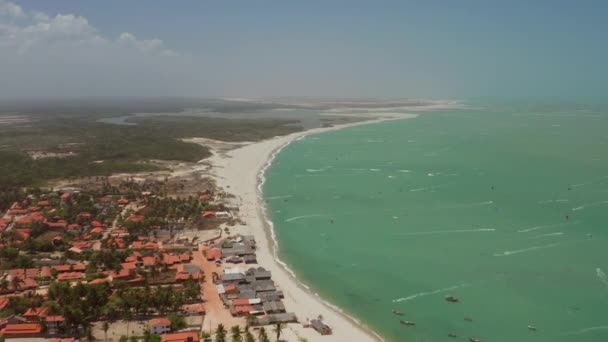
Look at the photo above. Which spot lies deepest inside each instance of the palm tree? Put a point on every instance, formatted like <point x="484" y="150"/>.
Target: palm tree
<point x="16" y="282"/>
<point x="278" y="329"/>
<point x="220" y="333"/>
<point x="236" y="334"/>
<point x="262" y="337"/>
<point x="4" y="284"/>
<point x="105" y="327"/>
<point x="248" y="335"/>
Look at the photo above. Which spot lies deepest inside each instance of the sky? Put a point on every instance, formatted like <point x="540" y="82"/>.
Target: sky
<point x="384" y="49"/>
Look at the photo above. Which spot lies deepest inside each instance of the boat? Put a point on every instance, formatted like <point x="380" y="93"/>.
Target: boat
<point x="407" y="322"/>
<point x="468" y="319"/>
<point x="474" y="339"/>
<point x="531" y="328"/>
<point x="399" y="313"/>
<point x="452" y="299"/>
<point x="452" y="335"/>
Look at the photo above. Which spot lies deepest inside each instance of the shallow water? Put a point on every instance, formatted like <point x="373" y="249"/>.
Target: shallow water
<point x="505" y="207"/>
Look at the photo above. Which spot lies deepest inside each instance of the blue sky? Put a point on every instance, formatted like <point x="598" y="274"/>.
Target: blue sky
<point x="439" y="49"/>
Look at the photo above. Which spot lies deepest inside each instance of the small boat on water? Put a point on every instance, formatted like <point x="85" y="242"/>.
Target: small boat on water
<point x="531" y="328"/>
<point x="399" y="313"/>
<point x="452" y="335"/>
<point x="407" y="322"/>
<point x="468" y="319"/>
<point x="452" y="299"/>
<point x="474" y="339"/>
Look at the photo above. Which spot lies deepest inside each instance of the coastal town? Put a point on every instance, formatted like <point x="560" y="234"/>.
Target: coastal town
<point x="127" y="262"/>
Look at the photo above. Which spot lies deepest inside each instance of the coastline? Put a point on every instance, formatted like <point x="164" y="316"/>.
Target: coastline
<point x="241" y="171"/>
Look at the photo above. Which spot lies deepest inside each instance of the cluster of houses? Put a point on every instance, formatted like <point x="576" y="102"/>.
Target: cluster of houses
<point x="73" y="236"/>
<point x="250" y="291"/>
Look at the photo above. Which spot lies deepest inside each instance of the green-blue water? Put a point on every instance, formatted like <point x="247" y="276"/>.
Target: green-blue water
<point x="505" y="207"/>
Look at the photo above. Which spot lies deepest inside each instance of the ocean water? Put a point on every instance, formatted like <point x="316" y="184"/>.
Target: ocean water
<point x="504" y="206"/>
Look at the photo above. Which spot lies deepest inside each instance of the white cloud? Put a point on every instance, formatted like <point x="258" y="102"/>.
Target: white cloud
<point x="36" y="29"/>
<point x="11" y="10"/>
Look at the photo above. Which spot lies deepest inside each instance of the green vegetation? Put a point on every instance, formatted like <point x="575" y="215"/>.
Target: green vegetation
<point x="88" y="148"/>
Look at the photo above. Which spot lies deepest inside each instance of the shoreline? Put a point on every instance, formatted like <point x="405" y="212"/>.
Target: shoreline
<point x="241" y="171"/>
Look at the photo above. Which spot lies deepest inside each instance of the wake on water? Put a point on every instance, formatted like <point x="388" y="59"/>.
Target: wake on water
<point x="602" y="276"/>
<point x="304" y="216"/>
<point x="433" y="232"/>
<point x="429" y="293"/>
<point x="529" y="249"/>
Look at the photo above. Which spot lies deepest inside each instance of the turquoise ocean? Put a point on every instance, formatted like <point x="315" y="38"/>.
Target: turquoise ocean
<point x="503" y="205"/>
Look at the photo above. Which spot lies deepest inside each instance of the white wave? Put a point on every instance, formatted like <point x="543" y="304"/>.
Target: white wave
<point x="315" y="170"/>
<point x="552" y="201"/>
<point x="391" y="177"/>
<point x="279" y="197"/>
<point x="433" y="232"/>
<point x="590" y="182"/>
<point x="406" y="171"/>
<point x="529" y="249"/>
<point x="589" y="205"/>
<point x="304" y="216"/>
<point x="375" y="170"/>
<point x="427" y="188"/>
<point x="602" y="276"/>
<point x="586" y="330"/>
<point x="547" y="235"/>
<point x="542" y="227"/>
<point x="466" y="205"/>
<point x="429" y="293"/>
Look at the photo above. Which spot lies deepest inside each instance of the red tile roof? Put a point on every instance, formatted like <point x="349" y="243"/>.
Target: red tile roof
<point x="3" y="302"/>
<point x="55" y="318"/>
<point x="158" y="321"/>
<point x="214" y="254"/>
<point x="69" y="267"/>
<point x="208" y="213"/>
<point x="180" y="337"/>
<point x="22" y="329"/>
<point x="70" y="276"/>
<point x="196" y="308"/>
<point x="136" y="218"/>
<point x="97" y="230"/>
<point x="24" y="232"/>
<point x="35" y="312"/>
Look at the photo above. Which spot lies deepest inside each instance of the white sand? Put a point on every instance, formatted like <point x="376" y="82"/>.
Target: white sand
<point x="238" y="171"/>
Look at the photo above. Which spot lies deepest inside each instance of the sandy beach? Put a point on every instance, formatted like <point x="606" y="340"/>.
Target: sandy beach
<point x="240" y="172"/>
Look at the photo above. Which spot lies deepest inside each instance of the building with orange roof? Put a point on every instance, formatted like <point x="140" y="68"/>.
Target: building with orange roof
<point x="24" y="233"/>
<point x="96" y="224"/>
<point x="43" y="203"/>
<point x="21" y="330"/>
<point x="69" y="267"/>
<point x="3" y="302"/>
<point x="194" y="309"/>
<point x="70" y="276"/>
<point x="208" y="213"/>
<point x="180" y="337"/>
<point x="61" y="224"/>
<point x="214" y="254"/>
<point x="74" y="226"/>
<point x="136" y="218"/>
<point x="35" y="314"/>
<point x="159" y="325"/>
<point x="97" y="230"/>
